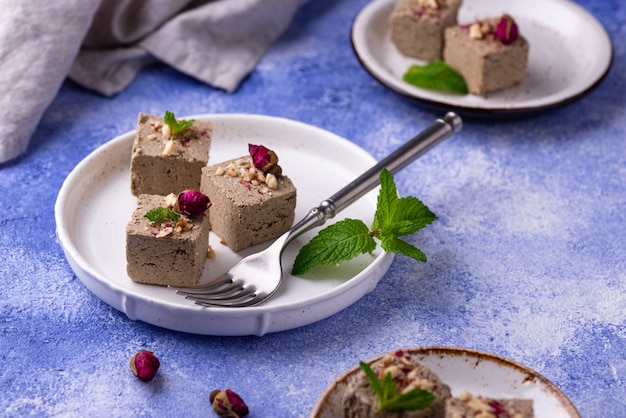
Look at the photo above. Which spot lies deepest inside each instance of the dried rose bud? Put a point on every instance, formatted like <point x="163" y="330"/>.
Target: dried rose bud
<point x="506" y="30"/>
<point x="193" y="203"/>
<point x="228" y="404"/>
<point x="144" y="365"/>
<point x="264" y="159"/>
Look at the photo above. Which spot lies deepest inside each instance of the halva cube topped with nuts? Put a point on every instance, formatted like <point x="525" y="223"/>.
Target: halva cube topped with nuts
<point x="490" y="54"/>
<point x="167" y="239"/>
<point x="416" y="26"/>
<point x="360" y="401"/>
<point x="468" y="405"/>
<point x="252" y="201"/>
<point x="168" y="154"/>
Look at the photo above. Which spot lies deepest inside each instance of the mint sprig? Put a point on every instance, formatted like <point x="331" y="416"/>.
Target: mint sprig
<point x="159" y="214"/>
<point x="387" y="395"/>
<point x="348" y="238"/>
<point x="437" y="76"/>
<point x="176" y="126"/>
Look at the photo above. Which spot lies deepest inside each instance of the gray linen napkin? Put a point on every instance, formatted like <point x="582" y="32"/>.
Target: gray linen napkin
<point x="103" y="44"/>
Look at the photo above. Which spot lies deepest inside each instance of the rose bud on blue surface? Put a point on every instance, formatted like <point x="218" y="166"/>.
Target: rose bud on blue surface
<point x="144" y="365"/>
<point x="228" y="404"/>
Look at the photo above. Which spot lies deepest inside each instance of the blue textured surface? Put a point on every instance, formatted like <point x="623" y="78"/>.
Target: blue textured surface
<point x="527" y="260"/>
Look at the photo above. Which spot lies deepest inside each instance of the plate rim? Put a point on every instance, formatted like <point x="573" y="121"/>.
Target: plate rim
<point x="470" y="353"/>
<point x="125" y="301"/>
<point x="503" y="112"/>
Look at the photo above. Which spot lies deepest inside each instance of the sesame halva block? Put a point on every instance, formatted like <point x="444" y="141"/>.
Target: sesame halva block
<point x="161" y="163"/>
<point x="360" y="401"/>
<point x="169" y="252"/>
<point x="417" y="27"/>
<point x="470" y="406"/>
<point x="486" y="63"/>
<point x="248" y="207"/>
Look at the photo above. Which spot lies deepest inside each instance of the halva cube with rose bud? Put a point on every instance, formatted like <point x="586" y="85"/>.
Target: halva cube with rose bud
<point x="249" y="205"/>
<point x="468" y="405"/>
<point x="490" y="54"/>
<point x="167" y="239"/>
<point x="416" y="26"/>
<point x="165" y="158"/>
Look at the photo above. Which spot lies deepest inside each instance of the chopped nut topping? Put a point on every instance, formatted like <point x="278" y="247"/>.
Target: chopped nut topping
<point x="271" y="181"/>
<point x="170" y="200"/>
<point x="475" y="31"/>
<point x="433" y="4"/>
<point x="249" y="176"/>
<point x="480" y="30"/>
<point x="465" y="396"/>
<point x="164" y="232"/>
<point x="170" y="148"/>
<point x="166" y="131"/>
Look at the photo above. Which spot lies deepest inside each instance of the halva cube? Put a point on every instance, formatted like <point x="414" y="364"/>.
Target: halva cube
<point x="359" y="400"/>
<point x="416" y="27"/>
<point x="490" y="54"/>
<point x="162" y="161"/>
<point x="468" y="405"/>
<point x="169" y="251"/>
<point x="248" y="206"/>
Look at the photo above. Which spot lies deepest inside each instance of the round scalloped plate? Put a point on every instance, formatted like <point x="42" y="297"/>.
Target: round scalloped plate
<point x="95" y="204"/>
<point x="477" y="372"/>
<point x="570" y="54"/>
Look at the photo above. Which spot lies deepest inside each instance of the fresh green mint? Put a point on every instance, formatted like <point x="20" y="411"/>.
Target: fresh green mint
<point x="159" y="214"/>
<point x="386" y="391"/>
<point x="176" y="126"/>
<point x="438" y="76"/>
<point x="348" y="238"/>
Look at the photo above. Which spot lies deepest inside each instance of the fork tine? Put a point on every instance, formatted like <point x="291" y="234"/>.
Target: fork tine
<point x="215" y="286"/>
<point x="218" y="289"/>
<point x="246" y="300"/>
<point x="239" y="293"/>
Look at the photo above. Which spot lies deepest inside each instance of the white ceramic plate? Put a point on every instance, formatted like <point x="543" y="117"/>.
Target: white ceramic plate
<point x="95" y="204"/>
<point x="570" y="53"/>
<point x="477" y="372"/>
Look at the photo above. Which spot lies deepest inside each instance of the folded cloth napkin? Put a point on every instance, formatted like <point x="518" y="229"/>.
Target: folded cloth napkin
<point x="103" y="44"/>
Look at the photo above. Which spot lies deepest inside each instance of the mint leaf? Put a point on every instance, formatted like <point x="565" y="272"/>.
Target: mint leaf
<point x="339" y="242"/>
<point x="387" y="396"/>
<point x="374" y="382"/>
<point x="393" y="244"/>
<point x="159" y="214"/>
<point x="387" y="199"/>
<point x="437" y="76"/>
<point x="176" y="126"/>
<point x="409" y="216"/>
<point x="410" y="401"/>
<point x="394" y="217"/>
<point x="399" y="216"/>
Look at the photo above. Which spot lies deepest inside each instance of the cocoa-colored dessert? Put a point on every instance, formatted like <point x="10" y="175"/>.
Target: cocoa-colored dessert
<point x="170" y="251"/>
<point x="417" y="27"/>
<point x="162" y="162"/>
<point x="469" y="406"/>
<point x="360" y="401"/>
<point x="249" y="206"/>
<point x="490" y="54"/>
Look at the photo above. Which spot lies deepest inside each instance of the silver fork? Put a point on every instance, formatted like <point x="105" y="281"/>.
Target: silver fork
<point x="257" y="277"/>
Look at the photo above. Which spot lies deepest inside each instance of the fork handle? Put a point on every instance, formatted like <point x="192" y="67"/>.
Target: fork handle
<point x="419" y="145"/>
